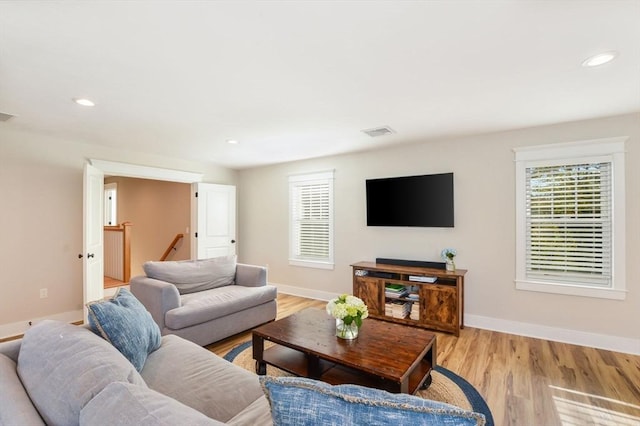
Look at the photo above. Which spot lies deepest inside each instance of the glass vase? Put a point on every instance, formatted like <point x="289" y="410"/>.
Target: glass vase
<point x="346" y="331"/>
<point x="451" y="266"/>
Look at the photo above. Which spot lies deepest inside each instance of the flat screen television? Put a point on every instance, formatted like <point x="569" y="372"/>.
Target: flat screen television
<point x="417" y="201"/>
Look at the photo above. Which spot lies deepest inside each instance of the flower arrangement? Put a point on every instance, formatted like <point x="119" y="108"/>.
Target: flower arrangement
<point x="348" y="309"/>
<point x="448" y="254"/>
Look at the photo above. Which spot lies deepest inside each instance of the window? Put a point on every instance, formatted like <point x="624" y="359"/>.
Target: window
<point x="570" y="218"/>
<point x="110" y="204"/>
<point x="311" y="220"/>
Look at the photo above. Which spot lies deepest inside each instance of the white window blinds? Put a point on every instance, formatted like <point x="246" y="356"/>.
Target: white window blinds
<point x="568" y="224"/>
<point x="311" y="198"/>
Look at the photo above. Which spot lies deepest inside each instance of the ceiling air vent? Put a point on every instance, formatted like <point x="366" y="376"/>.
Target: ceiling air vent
<point x="379" y="131"/>
<point x="5" y="117"/>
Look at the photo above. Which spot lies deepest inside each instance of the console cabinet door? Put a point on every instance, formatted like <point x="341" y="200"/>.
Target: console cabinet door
<point x="439" y="307"/>
<point x="368" y="289"/>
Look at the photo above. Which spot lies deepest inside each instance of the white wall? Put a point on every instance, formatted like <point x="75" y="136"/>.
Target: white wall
<point x="484" y="233"/>
<point x="41" y="217"/>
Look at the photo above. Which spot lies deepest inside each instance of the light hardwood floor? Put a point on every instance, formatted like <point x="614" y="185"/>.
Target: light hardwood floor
<point x="526" y="381"/>
<point x="112" y="282"/>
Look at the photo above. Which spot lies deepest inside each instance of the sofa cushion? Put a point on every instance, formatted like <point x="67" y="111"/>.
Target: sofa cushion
<point x="299" y="401"/>
<point x="126" y="404"/>
<point x="191" y="276"/>
<point x="63" y="366"/>
<point x="200" y="379"/>
<point x="256" y="414"/>
<point x="125" y="323"/>
<point x="211" y="304"/>
<point x="15" y="406"/>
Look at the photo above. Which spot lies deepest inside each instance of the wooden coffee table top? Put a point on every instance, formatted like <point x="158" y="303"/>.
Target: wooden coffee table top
<point x="384" y="349"/>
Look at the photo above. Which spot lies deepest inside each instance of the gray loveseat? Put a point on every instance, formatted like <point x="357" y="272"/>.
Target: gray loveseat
<point x="206" y="300"/>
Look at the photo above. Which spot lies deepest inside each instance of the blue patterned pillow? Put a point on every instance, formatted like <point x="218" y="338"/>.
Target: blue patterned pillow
<point x="125" y="323"/>
<point x="298" y="401"/>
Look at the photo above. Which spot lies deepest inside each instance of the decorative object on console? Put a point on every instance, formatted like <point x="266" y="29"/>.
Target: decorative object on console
<point x="448" y="255"/>
<point x="349" y="311"/>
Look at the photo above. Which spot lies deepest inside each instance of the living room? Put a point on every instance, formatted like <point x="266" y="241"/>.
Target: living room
<point x="41" y="163"/>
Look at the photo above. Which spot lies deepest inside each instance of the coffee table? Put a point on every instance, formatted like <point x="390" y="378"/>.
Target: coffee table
<point x="385" y="355"/>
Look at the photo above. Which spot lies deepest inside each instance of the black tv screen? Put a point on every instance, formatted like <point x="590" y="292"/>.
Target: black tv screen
<point x="420" y="201"/>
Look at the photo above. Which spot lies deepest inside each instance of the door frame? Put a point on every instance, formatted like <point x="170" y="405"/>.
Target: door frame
<point x="113" y="168"/>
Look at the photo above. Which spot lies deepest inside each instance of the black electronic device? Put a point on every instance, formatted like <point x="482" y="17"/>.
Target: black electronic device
<point x="380" y="274"/>
<point x="411" y="201"/>
<point x="415" y="263"/>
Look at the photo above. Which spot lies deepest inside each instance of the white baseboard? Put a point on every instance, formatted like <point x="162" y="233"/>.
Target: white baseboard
<point x="305" y="292"/>
<point x="18" y="328"/>
<point x="582" y="338"/>
<point x="575" y="337"/>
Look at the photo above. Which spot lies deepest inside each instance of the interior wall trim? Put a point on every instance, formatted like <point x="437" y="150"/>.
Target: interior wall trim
<point x="556" y="334"/>
<point x="20" y="327"/>
<point x="145" y="172"/>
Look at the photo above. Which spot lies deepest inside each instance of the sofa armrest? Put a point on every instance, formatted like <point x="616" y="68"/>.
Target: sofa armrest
<point x="157" y="296"/>
<point x="11" y="348"/>
<point x="251" y="275"/>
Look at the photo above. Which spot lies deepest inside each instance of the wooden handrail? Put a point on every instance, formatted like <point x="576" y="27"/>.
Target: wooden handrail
<point x="171" y="246"/>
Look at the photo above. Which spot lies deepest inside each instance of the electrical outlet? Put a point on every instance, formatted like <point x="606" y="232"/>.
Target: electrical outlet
<point x="44" y="293"/>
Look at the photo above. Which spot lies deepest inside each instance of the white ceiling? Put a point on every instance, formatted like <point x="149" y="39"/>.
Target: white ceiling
<point x="293" y="80"/>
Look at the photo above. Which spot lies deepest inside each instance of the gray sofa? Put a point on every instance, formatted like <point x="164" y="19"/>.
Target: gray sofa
<point x="206" y="300"/>
<point x="61" y="374"/>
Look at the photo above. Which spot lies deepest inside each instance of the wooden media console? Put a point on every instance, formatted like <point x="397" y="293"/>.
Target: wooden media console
<point x="437" y="305"/>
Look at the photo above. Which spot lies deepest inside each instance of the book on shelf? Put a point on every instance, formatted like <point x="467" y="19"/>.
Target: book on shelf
<point x="397" y="309"/>
<point x="395" y="291"/>
<point x="395" y="287"/>
<point x="394" y="295"/>
<point x="415" y="312"/>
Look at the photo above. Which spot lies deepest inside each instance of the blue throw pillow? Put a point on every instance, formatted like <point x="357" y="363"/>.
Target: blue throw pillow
<point x="298" y="401"/>
<point x="125" y="323"/>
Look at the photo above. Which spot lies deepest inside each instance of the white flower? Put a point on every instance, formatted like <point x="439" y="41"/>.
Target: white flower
<point x="448" y="254"/>
<point x="348" y="308"/>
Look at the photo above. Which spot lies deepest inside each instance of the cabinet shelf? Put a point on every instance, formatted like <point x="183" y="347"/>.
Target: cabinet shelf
<point x="440" y="304"/>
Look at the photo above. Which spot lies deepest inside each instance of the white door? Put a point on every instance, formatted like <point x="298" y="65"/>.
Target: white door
<point x="93" y="275"/>
<point x="215" y="221"/>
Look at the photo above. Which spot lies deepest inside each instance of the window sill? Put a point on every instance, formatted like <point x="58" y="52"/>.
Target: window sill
<point x="572" y="290"/>
<point x="311" y="264"/>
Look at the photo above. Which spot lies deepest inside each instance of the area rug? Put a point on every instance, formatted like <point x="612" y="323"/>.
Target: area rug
<point x="446" y="386"/>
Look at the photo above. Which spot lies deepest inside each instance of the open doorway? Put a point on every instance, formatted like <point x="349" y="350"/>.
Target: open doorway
<point x="157" y="216"/>
<point x="93" y="205"/>
<point x="212" y="214"/>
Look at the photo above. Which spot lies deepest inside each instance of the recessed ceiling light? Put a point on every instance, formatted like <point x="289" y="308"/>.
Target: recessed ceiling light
<point x="83" y="102"/>
<point x="600" y="59"/>
<point x="232" y="141"/>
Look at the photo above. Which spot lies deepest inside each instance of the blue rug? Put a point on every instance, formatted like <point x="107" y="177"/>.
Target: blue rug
<point x="446" y="386"/>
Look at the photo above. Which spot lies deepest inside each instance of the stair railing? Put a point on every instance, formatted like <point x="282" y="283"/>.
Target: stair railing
<point x="172" y="246"/>
<point x="117" y="251"/>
